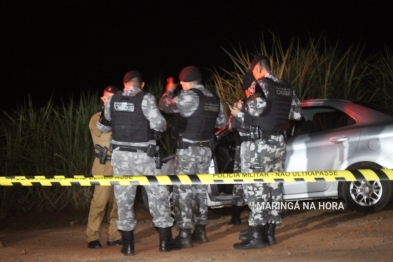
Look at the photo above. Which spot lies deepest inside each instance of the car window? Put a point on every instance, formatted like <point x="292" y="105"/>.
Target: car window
<point x="318" y="119"/>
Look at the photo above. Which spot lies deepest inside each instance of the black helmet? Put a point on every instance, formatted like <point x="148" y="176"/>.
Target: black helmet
<point x="190" y="74"/>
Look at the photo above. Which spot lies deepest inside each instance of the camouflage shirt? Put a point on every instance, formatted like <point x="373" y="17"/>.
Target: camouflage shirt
<point x="186" y="103"/>
<point x="149" y="109"/>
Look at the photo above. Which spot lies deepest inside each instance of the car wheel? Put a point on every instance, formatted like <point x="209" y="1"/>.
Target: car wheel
<point x="367" y="196"/>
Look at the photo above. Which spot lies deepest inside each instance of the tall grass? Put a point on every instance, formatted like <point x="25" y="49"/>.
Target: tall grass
<point x="52" y="140"/>
<point x="381" y="82"/>
<point x="315" y="67"/>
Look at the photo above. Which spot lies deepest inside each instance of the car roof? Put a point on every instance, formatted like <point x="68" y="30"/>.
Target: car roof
<point x="366" y="114"/>
<point x="324" y="100"/>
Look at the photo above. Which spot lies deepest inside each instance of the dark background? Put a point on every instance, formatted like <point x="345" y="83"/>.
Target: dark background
<point x="62" y="48"/>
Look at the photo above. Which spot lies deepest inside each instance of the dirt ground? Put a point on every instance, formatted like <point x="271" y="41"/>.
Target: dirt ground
<point x="305" y="235"/>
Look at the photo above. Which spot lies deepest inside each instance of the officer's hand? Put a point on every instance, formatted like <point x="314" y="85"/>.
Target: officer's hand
<point x="170" y="86"/>
<point x="239" y="105"/>
<point x="234" y="111"/>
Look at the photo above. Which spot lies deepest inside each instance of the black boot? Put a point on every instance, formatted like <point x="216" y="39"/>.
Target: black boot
<point x="199" y="234"/>
<point x="166" y="241"/>
<point x="269" y="234"/>
<point x="243" y="235"/>
<point x="184" y="238"/>
<point x="253" y="241"/>
<point x="128" y="243"/>
<point x="235" y="219"/>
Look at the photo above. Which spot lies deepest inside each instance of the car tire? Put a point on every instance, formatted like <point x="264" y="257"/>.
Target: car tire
<point x="367" y="196"/>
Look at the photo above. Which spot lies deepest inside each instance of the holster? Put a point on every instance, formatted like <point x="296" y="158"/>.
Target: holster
<point x="103" y="154"/>
<point x="213" y="143"/>
<point x="151" y="150"/>
<point x="158" y="157"/>
<point x="179" y="141"/>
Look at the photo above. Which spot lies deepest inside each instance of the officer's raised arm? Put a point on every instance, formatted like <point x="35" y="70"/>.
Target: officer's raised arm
<point x="104" y="123"/>
<point x="168" y="101"/>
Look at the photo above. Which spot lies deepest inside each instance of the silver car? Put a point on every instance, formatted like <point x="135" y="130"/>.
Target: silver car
<point x="333" y="135"/>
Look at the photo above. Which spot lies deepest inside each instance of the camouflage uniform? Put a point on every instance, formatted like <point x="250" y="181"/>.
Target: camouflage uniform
<point x="190" y="201"/>
<point x="138" y="163"/>
<point x="267" y="156"/>
<point x="238" y="197"/>
<point x="238" y="193"/>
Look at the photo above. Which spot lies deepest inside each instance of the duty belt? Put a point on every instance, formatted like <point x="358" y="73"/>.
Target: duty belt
<point x="263" y="135"/>
<point x="198" y="144"/>
<point x="244" y="138"/>
<point x="270" y="133"/>
<point x="130" y="148"/>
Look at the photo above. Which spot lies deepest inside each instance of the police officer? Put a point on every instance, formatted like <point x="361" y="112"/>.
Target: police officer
<point x="242" y="138"/>
<point x="103" y="197"/>
<point x="134" y="119"/>
<point x="200" y="113"/>
<point x="266" y="117"/>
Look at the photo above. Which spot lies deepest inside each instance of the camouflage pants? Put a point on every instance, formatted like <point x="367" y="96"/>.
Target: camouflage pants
<point x="237" y="165"/>
<point x="190" y="201"/>
<point x="238" y="195"/>
<point x="264" y="199"/>
<point x="130" y="163"/>
<point x="237" y="192"/>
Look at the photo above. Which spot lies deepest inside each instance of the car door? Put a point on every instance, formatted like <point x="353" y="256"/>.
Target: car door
<point x="324" y="139"/>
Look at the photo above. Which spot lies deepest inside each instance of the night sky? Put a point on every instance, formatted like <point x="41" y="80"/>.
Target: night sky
<point x="62" y="49"/>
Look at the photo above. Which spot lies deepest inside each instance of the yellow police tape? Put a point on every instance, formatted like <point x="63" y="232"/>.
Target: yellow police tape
<point x="224" y="178"/>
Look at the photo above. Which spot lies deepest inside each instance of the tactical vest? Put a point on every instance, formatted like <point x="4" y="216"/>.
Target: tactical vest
<point x="201" y="124"/>
<point x="129" y="124"/>
<point x="278" y="105"/>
